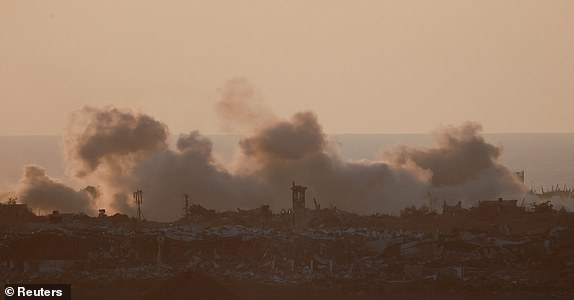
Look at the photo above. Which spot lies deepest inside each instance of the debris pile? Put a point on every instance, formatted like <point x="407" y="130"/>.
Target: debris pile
<point x="337" y="248"/>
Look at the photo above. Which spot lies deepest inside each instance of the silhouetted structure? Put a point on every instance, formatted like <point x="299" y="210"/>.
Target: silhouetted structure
<point x="12" y="210"/>
<point x="452" y="209"/>
<point x="555" y="191"/>
<point x="543" y="207"/>
<point x="57" y="217"/>
<point x="317" y="205"/>
<point x="138" y="197"/>
<point x="186" y="206"/>
<point x="298" y="196"/>
<point x="500" y="205"/>
<point x="299" y="212"/>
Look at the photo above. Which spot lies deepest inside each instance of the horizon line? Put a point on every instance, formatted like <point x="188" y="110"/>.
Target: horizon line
<point x="332" y="133"/>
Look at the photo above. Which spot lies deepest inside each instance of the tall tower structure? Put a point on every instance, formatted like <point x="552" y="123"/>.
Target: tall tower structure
<point x="138" y="198"/>
<point x="298" y="193"/>
<point x="186" y="206"/>
<point x="299" y="211"/>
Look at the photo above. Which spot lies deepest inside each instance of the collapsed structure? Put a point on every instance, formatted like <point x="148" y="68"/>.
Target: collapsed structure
<point x="335" y="248"/>
<point x="452" y="209"/>
<point x="13" y="211"/>
<point x="299" y="202"/>
<point x="500" y="205"/>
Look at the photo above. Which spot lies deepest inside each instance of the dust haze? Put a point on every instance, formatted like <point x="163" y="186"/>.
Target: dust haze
<point x="40" y="191"/>
<point x="121" y="151"/>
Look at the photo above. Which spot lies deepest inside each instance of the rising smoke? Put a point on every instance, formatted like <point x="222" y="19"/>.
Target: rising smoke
<point x="463" y="166"/>
<point x="42" y="192"/>
<point x="460" y="156"/>
<point x="298" y="150"/>
<point x="124" y="151"/>
<point x="109" y="137"/>
<point x="241" y="107"/>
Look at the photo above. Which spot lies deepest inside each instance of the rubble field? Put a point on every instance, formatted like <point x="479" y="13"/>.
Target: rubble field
<point x="256" y="254"/>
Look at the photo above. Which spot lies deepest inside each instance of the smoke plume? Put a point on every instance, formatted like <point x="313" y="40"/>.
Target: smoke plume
<point x="241" y="107"/>
<point x="298" y="150"/>
<point x="123" y="151"/>
<point x="166" y="175"/>
<point x="40" y="191"/>
<point x="287" y="141"/>
<point x="463" y="165"/>
<point x="126" y="152"/>
<point x="109" y="136"/>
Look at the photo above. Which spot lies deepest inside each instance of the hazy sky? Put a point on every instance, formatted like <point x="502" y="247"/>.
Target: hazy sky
<point x="362" y="66"/>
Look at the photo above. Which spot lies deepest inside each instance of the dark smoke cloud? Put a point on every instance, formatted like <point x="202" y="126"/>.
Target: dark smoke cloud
<point x="297" y="150"/>
<point x="284" y="140"/>
<point x="196" y="143"/>
<point x="42" y="192"/>
<point x="110" y="134"/>
<point x="274" y="156"/>
<point x="166" y="175"/>
<point x="460" y="156"/>
<point x="123" y="152"/>
<point x="107" y="143"/>
<point x="127" y="152"/>
<point x="463" y="165"/>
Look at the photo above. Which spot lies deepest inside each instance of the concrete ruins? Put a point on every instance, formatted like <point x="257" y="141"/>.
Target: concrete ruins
<point x="299" y="211"/>
<point x="494" y="248"/>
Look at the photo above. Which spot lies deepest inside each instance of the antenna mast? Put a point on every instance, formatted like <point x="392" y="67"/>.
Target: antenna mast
<point x="186" y="206"/>
<point x="138" y="197"/>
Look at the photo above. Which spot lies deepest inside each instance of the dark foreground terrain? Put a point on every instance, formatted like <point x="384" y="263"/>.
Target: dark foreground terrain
<point x="333" y="255"/>
<point x="197" y="285"/>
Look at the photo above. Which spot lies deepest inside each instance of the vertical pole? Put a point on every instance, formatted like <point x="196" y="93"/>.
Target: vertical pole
<point x="138" y="197"/>
<point x="186" y="206"/>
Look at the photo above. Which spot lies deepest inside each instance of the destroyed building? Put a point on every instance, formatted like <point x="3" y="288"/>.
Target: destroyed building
<point x="12" y="211"/>
<point x="300" y="219"/>
<point x="327" y="248"/>
<point x="500" y="205"/>
<point x="452" y="210"/>
<point x="57" y="217"/>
